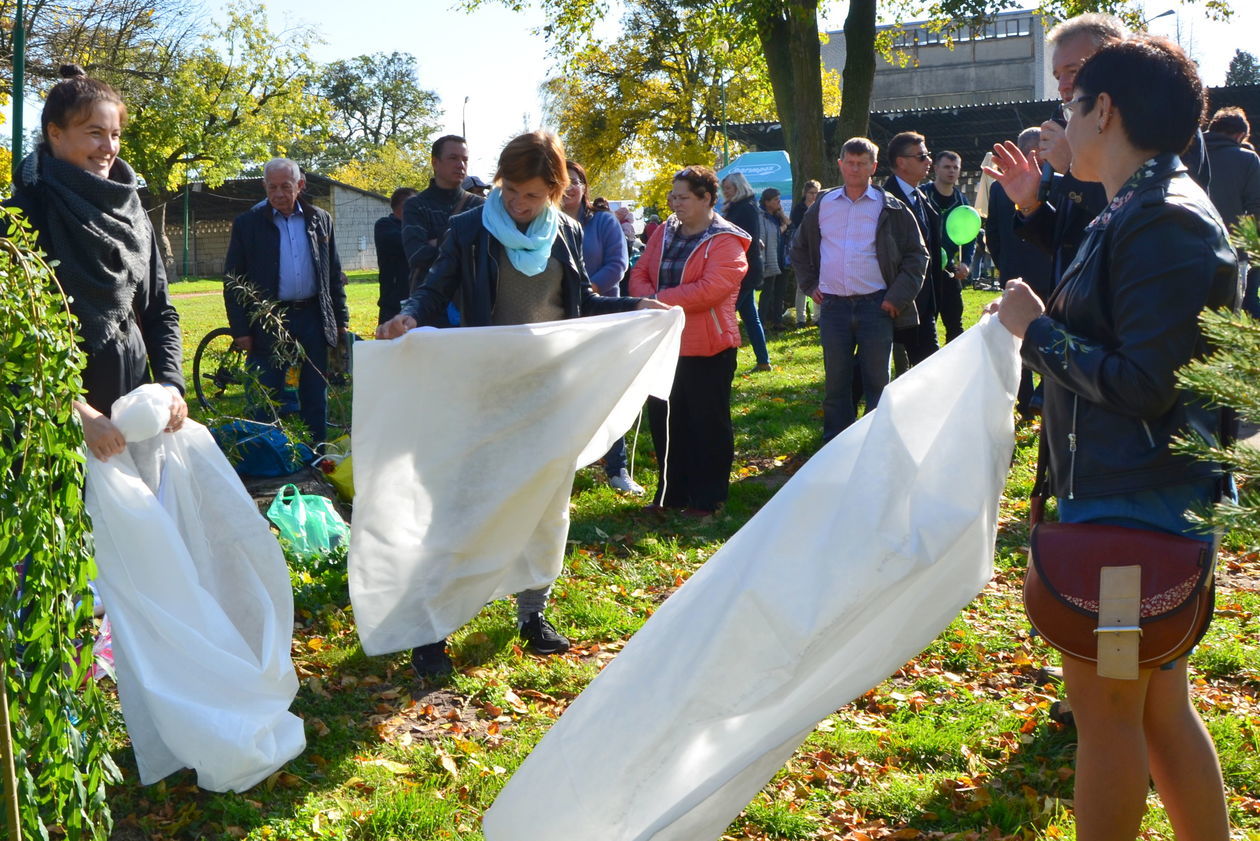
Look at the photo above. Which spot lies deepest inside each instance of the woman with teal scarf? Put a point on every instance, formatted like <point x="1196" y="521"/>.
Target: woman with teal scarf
<point x="517" y="259"/>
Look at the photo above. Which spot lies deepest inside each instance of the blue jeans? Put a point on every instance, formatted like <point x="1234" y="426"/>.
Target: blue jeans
<point x="746" y="306"/>
<point x="615" y="458"/>
<point x="1155" y="509"/>
<point x="843" y="323"/>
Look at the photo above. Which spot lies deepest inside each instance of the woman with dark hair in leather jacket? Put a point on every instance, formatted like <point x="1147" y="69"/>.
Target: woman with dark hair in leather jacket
<point x="517" y="259"/>
<point x="1108" y="343"/>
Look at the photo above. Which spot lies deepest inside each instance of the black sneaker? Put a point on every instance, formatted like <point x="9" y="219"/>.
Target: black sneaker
<point x="540" y="637"/>
<point x="431" y="661"/>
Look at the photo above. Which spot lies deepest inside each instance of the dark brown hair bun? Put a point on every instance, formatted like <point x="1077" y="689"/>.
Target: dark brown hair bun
<point x="71" y="71"/>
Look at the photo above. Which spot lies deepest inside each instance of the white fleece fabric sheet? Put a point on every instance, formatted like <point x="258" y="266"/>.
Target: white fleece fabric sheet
<point x="854" y="566"/>
<point x="465" y="444"/>
<point x="198" y="594"/>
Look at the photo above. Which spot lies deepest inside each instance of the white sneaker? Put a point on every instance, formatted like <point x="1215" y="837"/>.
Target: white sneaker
<point x="624" y="484"/>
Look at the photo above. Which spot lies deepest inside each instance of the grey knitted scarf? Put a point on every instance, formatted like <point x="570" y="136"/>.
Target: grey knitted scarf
<point x="98" y="232"/>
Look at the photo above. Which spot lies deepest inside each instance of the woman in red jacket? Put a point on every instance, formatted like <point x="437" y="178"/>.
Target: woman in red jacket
<point x="695" y="260"/>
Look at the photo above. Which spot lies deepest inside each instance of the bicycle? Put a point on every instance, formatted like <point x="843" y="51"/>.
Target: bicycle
<point x="225" y="382"/>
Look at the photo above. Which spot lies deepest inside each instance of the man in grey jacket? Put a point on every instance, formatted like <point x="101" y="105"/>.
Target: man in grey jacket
<point x="859" y="254"/>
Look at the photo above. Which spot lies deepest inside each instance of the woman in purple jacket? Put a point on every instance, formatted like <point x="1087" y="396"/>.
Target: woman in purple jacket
<point x="606" y="257"/>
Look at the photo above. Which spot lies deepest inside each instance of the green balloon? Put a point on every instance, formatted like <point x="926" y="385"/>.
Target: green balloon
<point x="962" y="224"/>
<point x="944" y="259"/>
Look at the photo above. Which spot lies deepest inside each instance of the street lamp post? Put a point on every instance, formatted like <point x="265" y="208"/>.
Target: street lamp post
<point x="463" y="120"/>
<point x="726" y="137"/>
<point x="19" y="81"/>
<point x="1158" y="16"/>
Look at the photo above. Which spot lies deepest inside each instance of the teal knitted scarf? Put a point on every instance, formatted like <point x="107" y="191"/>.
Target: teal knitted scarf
<point x="528" y="251"/>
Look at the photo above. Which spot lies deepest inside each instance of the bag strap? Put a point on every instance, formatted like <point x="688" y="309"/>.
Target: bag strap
<point x="284" y="492"/>
<point x="459" y="205"/>
<point x="1037" y="500"/>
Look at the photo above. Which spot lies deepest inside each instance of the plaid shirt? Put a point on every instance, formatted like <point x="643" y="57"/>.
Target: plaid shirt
<point x="674" y="258"/>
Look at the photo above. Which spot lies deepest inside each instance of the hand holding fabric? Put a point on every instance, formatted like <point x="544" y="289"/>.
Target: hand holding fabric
<point x="1018" y="307"/>
<point x="395" y="327"/>
<point x="99" y="433"/>
<point x="179" y="409"/>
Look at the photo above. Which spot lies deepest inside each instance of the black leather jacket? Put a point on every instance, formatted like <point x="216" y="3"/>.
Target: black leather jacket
<point x="466" y="264"/>
<point x="1117" y="328"/>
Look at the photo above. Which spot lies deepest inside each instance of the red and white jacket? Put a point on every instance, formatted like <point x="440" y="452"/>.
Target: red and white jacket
<point x="710" y="284"/>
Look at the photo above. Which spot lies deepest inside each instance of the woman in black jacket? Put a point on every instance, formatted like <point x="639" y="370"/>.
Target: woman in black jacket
<point x="1108" y="343"/>
<point x="517" y="259"/>
<point x="741" y="209"/>
<point x="802" y="302"/>
<point x="82" y="201"/>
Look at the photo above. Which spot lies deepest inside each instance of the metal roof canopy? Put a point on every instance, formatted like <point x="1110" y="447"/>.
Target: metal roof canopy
<point x="237" y="195"/>
<point x="970" y="130"/>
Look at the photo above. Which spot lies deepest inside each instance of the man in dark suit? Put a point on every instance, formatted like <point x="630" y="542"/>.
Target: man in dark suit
<point x="910" y="161"/>
<point x="1017" y="258"/>
<point x="1014" y="256"/>
<point x="391" y="259"/>
<point x="284" y="249"/>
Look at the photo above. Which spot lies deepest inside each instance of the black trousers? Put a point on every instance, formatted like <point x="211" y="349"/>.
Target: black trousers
<point x="692" y="435"/>
<point x="770" y="304"/>
<point x="949" y="301"/>
<point x="920" y="341"/>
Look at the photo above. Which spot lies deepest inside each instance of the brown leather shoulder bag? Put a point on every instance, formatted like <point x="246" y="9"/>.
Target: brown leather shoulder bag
<point x="1120" y="597"/>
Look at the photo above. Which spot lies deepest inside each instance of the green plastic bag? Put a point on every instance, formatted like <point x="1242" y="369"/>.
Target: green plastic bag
<point x="309" y="522"/>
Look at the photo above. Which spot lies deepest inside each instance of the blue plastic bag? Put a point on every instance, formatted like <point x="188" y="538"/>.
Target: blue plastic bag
<point x="258" y="449"/>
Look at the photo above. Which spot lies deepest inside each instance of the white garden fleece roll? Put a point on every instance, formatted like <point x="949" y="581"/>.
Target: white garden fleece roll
<point x="852" y="568"/>
<point x="465" y="444"/>
<point x="198" y="594"/>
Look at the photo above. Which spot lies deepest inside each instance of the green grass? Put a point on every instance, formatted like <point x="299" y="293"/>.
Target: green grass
<point x="957" y="741"/>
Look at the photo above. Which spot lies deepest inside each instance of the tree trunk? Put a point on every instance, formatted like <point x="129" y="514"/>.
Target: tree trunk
<point x="8" y="770"/>
<point x="789" y="38"/>
<point x="858" y="78"/>
<point x="157" y="215"/>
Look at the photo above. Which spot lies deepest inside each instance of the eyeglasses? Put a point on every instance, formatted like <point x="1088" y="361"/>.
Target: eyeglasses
<point x="1067" y="109"/>
<point x="920" y="157"/>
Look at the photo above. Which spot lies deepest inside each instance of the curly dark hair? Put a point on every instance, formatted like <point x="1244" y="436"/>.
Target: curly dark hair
<point x="701" y="180"/>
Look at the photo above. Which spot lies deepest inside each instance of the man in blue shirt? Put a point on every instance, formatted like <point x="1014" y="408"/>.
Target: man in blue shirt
<point x="285" y="250"/>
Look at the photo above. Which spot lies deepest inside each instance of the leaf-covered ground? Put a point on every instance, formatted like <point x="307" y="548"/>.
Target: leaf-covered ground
<point x="957" y="744"/>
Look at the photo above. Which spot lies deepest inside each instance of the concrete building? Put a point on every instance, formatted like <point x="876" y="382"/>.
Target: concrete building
<point x="1005" y="60"/>
<point x="211" y="211"/>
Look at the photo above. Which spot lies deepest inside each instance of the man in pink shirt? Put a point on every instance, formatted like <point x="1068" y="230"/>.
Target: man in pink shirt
<point x="860" y="255"/>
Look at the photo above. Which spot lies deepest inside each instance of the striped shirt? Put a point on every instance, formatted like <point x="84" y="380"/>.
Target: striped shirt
<point x="847" y="263"/>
